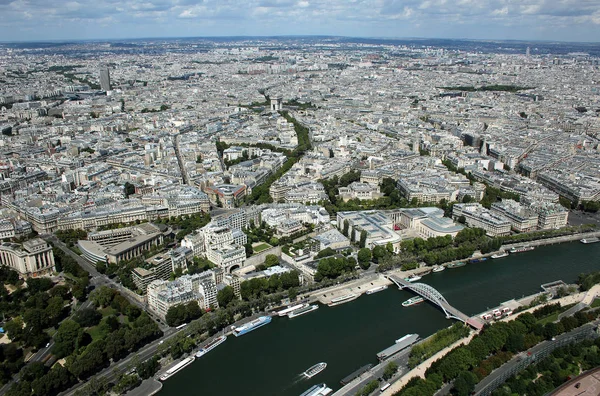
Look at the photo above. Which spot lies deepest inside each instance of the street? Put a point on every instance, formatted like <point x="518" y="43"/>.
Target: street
<point x="97" y="279"/>
<point x="401" y="359"/>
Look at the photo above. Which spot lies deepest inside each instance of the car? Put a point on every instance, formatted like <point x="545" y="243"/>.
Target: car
<point x="160" y="342"/>
<point x="47" y="345"/>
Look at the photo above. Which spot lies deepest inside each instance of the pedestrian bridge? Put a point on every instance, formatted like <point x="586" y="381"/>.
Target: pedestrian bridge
<point x="431" y="294"/>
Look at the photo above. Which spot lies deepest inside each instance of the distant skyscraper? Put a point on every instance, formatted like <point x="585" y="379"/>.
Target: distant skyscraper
<point x="105" y="79"/>
<point x="527" y="52"/>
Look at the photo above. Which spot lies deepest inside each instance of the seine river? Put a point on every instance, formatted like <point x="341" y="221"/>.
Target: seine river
<point x="270" y="360"/>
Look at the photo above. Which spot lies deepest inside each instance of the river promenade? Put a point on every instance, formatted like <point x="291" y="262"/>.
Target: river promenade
<point x="419" y="371"/>
<point x="360" y="286"/>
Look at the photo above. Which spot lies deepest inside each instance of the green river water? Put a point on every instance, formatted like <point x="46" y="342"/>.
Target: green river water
<point x="270" y="360"/>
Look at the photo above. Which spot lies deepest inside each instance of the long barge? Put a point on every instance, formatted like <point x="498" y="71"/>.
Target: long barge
<point x="343" y="299"/>
<point x="210" y="346"/>
<point x="253" y="325"/>
<point x="302" y="311"/>
<point x="399" y="345"/>
<point x="317" y="390"/>
<point x="286" y="311"/>
<point x="376" y="289"/>
<point x="177" y="368"/>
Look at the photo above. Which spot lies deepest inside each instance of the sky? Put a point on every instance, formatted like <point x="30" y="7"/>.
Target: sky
<point x="556" y="20"/>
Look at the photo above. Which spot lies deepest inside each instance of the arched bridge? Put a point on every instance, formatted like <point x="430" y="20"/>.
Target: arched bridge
<point x="431" y="294"/>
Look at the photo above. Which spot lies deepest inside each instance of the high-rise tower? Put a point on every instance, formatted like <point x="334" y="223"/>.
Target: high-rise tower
<point x="105" y="79"/>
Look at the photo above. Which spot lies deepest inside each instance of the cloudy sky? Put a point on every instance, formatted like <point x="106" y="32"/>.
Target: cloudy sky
<point x="564" y="20"/>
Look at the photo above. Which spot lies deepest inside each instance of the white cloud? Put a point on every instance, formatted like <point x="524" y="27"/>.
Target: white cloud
<point x="560" y="19"/>
<point x="500" y="11"/>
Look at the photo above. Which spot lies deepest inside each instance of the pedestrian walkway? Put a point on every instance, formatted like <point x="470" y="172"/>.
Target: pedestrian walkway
<point x="583" y="297"/>
<point x="420" y="370"/>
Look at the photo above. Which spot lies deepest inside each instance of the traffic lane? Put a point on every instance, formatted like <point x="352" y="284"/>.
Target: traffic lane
<point x="377" y="372"/>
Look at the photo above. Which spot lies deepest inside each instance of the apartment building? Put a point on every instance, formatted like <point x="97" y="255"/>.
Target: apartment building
<point x="521" y="218"/>
<point x="477" y="216"/>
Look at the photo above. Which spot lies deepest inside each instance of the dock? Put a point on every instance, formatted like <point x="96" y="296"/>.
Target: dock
<point x="403" y="343"/>
<point x="357" y="373"/>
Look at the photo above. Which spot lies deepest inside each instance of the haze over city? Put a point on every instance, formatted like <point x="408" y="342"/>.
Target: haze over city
<point x="566" y="20"/>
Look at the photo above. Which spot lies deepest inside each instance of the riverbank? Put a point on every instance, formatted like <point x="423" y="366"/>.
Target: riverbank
<point x="357" y="286"/>
<point x="420" y="370"/>
<point x="552" y="241"/>
<point x="583" y="297"/>
<point x="350" y="335"/>
<point x="148" y="387"/>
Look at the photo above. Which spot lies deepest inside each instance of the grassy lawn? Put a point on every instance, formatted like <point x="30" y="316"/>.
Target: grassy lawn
<point x="95" y="332"/>
<point x="260" y="247"/>
<point x="125" y="320"/>
<point x="107" y="311"/>
<point x="595" y="303"/>
<point x="547" y="319"/>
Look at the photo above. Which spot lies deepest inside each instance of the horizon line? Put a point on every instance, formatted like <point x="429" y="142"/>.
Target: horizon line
<point x="385" y="38"/>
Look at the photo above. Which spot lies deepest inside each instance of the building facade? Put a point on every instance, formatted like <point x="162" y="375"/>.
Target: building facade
<point x="163" y="295"/>
<point x="476" y="215"/>
<point x="32" y="258"/>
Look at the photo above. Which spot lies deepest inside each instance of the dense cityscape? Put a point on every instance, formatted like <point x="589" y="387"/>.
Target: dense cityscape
<point x="159" y="195"/>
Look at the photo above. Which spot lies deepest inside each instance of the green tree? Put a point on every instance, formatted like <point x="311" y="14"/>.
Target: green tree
<point x="55" y="308"/>
<point x="225" y="296"/>
<point x="128" y="189"/>
<point x="363" y="239"/>
<point x="148" y="368"/>
<point x="101" y="267"/>
<point x="14" y="329"/>
<point x="103" y="296"/>
<point x="390" y="369"/>
<point x="271" y="260"/>
<point x="346" y="227"/>
<point x="292" y="293"/>
<point x="465" y="383"/>
<point x="66" y="338"/>
<point x="192" y="311"/>
<point x="87" y="317"/>
<point x="380" y="252"/>
<point x="249" y="249"/>
<point x="364" y="258"/>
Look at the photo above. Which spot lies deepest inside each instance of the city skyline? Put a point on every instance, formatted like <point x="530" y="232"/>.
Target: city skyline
<point x="464" y="19"/>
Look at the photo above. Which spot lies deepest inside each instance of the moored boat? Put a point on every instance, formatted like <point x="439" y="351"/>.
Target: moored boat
<point x="314" y="370"/>
<point x="286" y="311"/>
<point x="412" y="278"/>
<point x="253" y="325"/>
<point x="413" y="301"/>
<point x="456" y="265"/>
<point x="499" y="255"/>
<point x="302" y="311"/>
<point x="317" y="390"/>
<point x="408" y="337"/>
<point x="522" y="249"/>
<point x="210" y="346"/>
<point x="477" y="260"/>
<point x="178" y="367"/>
<point x="438" y="268"/>
<point x="377" y="289"/>
<point x="343" y="299"/>
<point x="590" y="240"/>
